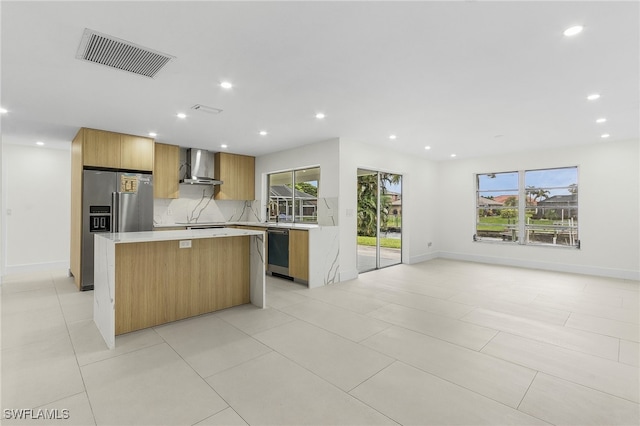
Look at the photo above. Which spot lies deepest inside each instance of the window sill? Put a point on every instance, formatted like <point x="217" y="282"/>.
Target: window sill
<point x="515" y="243"/>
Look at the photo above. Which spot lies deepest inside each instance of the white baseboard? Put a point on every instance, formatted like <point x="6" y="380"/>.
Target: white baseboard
<point x="548" y="266"/>
<point x="35" y="267"/>
<point x="422" y="258"/>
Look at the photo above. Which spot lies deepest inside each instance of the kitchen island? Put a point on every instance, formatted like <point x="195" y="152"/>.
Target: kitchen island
<point x="144" y="279"/>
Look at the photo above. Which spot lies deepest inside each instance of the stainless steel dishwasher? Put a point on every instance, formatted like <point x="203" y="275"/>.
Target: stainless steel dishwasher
<point x="278" y="253"/>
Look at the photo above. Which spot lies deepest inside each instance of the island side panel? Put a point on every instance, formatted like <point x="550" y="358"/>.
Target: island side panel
<point x="104" y="289"/>
<point x="324" y="250"/>
<point x="159" y="282"/>
<point x="258" y="279"/>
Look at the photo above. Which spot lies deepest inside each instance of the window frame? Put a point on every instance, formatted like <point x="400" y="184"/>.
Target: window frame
<point x="522" y="227"/>
<point x="293" y="217"/>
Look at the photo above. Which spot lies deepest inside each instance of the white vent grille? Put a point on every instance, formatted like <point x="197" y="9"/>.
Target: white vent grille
<point x="207" y="109"/>
<point x="123" y="55"/>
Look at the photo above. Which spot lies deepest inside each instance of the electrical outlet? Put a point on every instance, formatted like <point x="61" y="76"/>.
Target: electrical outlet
<point x="169" y="211"/>
<point x="185" y="244"/>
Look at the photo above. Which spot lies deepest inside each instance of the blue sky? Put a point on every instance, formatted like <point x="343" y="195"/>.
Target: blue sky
<point x="548" y="178"/>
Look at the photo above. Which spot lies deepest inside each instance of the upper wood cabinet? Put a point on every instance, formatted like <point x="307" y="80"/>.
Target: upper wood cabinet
<point x="238" y="174"/>
<point x="111" y="150"/>
<point x="136" y="152"/>
<point x="165" y="171"/>
<point x="100" y="148"/>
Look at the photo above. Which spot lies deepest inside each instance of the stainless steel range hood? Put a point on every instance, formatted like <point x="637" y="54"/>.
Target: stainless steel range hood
<point x="199" y="168"/>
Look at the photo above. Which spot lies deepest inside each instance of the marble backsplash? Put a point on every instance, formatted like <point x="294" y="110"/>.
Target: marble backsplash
<point x="328" y="211"/>
<point x="196" y="205"/>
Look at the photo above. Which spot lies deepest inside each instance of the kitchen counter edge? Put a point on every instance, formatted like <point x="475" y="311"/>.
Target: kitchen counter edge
<point x="191" y="234"/>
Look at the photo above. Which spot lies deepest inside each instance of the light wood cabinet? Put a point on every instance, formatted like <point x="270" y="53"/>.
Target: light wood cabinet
<point x="136" y="153"/>
<point x="238" y="174"/>
<point x="299" y="255"/>
<point x="158" y="282"/>
<point x="111" y="150"/>
<point x="75" y="263"/>
<point x="100" y="148"/>
<point x="165" y="171"/>
<point x="105" y="150"/>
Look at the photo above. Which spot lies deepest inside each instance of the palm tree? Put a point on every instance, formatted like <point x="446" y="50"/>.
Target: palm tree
<point x="535" y="194"/>
<point x="367" y="206"/>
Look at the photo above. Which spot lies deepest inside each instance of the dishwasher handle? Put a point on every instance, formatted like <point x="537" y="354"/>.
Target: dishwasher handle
<point x="278" y="231"/>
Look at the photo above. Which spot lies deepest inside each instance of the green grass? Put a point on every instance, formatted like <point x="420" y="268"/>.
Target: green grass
<point x="493" y="223"/>
<point x="384" y="242"/>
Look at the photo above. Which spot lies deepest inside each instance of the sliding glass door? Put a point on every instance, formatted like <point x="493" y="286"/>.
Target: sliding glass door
<point x="379" y="220"/>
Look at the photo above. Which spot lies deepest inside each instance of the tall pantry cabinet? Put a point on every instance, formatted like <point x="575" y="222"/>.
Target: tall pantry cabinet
<point x="102" y="150"/>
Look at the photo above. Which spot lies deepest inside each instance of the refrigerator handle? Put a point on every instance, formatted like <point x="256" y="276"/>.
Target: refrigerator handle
<point x="115" y="211"/>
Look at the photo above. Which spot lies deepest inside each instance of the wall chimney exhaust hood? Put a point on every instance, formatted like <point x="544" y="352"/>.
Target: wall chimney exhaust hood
<point x="199" y="168"/>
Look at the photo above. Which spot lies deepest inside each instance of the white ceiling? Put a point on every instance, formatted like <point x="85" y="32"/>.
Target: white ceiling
<point x="471" y="78"/>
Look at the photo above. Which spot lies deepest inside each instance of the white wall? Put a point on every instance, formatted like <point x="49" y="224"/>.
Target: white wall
<point x="323" y="154"/>
<point x="419" y="188"/>
<point x="36" y="189"/>
<point x="439" y="202"/>
<point x="609" y="199"/>
<point x="339" y="160"/>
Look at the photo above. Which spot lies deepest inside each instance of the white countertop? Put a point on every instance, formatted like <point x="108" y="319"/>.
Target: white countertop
<point x="191" y="234"/>
<point x="260" y="224"/>
<point x="279" y="225"/>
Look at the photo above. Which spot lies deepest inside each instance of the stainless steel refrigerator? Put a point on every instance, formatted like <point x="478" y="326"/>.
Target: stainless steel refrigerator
<point x="113" y="202"/>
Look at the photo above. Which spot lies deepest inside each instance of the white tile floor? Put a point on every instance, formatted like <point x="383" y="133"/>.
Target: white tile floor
<point x="438" y="343"/>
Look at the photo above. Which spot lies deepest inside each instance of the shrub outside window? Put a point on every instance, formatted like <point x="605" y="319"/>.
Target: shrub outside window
<point x="538" y="207"/>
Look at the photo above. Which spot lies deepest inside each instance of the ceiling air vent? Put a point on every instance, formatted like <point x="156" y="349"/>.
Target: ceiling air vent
<point x="207" y="109"/>
<point x="123" y="55"/>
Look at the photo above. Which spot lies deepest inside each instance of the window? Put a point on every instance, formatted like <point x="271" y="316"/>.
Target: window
<point x="497" y="206"/>
<point x="293" y="195"/>
<point x="528" y="207"/>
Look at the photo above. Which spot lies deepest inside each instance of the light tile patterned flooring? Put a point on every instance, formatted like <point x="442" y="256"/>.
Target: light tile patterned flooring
<point x="438" y="343"/>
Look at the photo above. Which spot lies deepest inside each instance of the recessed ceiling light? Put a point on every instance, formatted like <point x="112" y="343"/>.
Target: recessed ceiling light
<point x="181" y="115"/>
<point x="427" y="147"/>
<point x="226" y="85"/>
<point x="320" y="115"/>
<point x="153" y="134"/>
<point x="601" y="120"/>
<point x="40" y="143"/>
<point x="392" y="136"/>
<point x="453" y="155"/>
<point x="3" y="111"/>
<point x="605" y="135"/>
<point x="223" y="146"/>
<point x="569" y="32"/>
<point x="263" y="133"/>
<point x="593" y="96"/>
